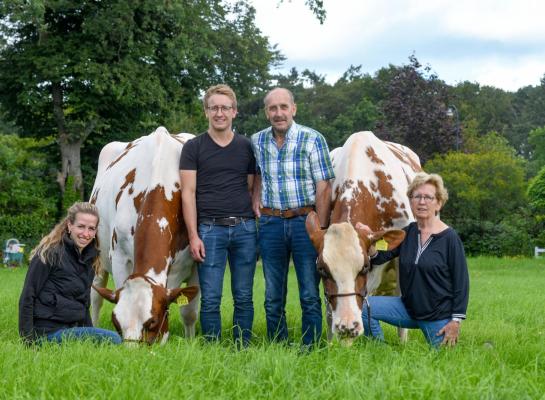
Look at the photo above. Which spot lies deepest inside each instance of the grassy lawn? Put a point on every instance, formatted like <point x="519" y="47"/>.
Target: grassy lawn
<point x="501" y="354"/>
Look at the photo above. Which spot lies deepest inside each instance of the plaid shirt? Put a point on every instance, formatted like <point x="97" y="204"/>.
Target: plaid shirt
<point x="289" y="174"/>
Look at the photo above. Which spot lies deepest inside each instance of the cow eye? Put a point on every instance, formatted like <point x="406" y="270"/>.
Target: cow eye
<point x="150" y="324"/>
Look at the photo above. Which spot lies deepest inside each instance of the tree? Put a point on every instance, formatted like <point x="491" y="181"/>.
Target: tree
<point x="486" y="197"/>
<point x="490" y="107"/>
<point x="415" y="110"/>
<point x="27" y="198"/>
<point x="529" y="106"/>
<point x="83" y="69"/>
<point x="536" y="140"/>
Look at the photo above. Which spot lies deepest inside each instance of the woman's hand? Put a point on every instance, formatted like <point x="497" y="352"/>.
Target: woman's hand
<point x="363" y="227"/>
<point x="451" y="331"/>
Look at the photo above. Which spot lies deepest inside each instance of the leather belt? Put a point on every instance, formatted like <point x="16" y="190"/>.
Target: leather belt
<point x="224" y="221"/>
<point x="288" y="213"/>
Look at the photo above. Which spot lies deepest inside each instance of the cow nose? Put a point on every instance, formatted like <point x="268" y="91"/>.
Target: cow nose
<point x="352" y="330"/>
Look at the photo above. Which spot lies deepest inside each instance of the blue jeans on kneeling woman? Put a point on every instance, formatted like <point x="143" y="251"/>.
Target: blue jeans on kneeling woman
<point x="392" y="311"/>
<point x="83" y="333"/>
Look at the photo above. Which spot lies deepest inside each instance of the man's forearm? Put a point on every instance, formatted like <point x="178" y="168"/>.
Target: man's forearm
<point x="323" y="202"/>
<point x="189" y="206"/>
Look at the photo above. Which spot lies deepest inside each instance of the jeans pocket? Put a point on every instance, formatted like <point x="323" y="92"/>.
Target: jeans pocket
<point x="249" y="225"/>
<point x="264" y="220"/>
<point x="204" y="229"/>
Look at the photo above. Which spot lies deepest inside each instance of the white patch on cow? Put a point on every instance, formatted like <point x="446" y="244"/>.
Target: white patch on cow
<point x="163" y="223"/>
<point x="343" y="254"/>
<point x="134" y="308"/>
<point x="159" y="278"/>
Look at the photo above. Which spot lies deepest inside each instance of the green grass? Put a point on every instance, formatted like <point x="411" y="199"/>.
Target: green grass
<point x="501" y="354"/>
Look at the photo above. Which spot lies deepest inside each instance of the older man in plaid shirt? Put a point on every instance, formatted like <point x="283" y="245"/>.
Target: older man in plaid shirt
<point x="294" y="173"/>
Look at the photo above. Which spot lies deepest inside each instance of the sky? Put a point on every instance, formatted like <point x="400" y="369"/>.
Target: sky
<point x="498" y="43"/>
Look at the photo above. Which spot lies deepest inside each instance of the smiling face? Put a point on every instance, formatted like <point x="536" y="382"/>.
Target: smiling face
<point x="220" y="111"/>
<point x="83" y="230"/>
<point x="424" y="202"/>
<point x="280" y="110"/>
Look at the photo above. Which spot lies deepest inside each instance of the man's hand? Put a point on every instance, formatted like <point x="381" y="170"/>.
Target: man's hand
<point x="451" y="331"/>
<point x="196" y="247"/>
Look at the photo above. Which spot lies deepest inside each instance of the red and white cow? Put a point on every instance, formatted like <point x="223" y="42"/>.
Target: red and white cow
<point x="143" y="239"/>
<point x="370" y="186"/>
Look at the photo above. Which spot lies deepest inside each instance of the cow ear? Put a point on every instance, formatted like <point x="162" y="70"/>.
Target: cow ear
<point x="314" y="230"/>
<point x="393" y="237"/>
<point x="108" y="294"/>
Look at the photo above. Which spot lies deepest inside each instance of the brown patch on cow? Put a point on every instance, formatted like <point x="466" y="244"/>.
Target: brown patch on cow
<point x="114" y="239"/>
<point x="129" y="180"/>
<point x="125" y="152"/>
<point x="373" y="156"/>
<point x="176" y="185"/>
<point x="404" y="158"/>
<point x="376" y="212"/>
<point x="137" y="200"/>
<point x="152" y="244"/>
<point x="131" y="190"/>
<point x="94" y="197"/>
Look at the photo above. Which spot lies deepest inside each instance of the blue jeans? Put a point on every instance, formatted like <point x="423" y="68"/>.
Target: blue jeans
<point x="280" y="238"/>
<point x="238" y="245"/>
<point x="84" y="333"/>
<point x="392" y="311"/>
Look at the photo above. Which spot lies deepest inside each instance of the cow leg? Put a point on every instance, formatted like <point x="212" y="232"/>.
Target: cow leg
<point x="100" y="280"/>
<point x="189" y="312"/>
<point x="402" y="333"/>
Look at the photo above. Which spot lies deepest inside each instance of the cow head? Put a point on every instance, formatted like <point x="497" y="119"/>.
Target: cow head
<point x="343" y="263"/>
<point x="141" y="308"/>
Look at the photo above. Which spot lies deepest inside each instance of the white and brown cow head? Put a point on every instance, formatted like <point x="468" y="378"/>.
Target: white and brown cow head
<point x="141" y="308"/>
<point x="343" y="263"/>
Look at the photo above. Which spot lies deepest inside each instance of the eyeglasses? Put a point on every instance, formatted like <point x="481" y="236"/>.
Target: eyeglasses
<point x="426" y="198"/>
<point x="223" y="109"/>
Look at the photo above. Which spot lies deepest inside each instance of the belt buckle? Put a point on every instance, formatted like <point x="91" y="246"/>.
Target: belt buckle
<point x="232" y="221"/>
<point x="282" y="213"/>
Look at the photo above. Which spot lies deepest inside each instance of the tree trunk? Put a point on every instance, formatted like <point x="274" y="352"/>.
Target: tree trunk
<point x="70" y="146"/>
<point x="71" y="165"/>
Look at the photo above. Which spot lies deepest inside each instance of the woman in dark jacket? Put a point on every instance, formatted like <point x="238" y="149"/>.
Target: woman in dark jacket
<point x="433" y="274"/>
<point x="54" y="304"/>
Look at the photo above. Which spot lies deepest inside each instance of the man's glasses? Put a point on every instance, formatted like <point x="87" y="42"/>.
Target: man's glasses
<point x="223" y="109"/>
<point x="419" y="197"/>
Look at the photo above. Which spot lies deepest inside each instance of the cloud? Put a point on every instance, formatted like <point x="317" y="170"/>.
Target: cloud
<point x="497" y="43"/>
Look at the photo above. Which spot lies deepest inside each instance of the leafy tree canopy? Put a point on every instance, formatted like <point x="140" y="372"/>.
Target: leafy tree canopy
<point x="115" y="70"/>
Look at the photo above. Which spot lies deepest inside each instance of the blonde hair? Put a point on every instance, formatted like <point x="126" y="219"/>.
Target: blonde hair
<point x="220" y="89"/>
<point x="48" y="247"/>
<point x="422" y="178"/>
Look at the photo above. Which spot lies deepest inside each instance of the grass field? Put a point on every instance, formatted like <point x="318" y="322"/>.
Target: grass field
<point x="501" y="354"/>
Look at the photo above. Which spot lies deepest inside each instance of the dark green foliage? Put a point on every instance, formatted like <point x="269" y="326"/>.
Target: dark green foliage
<point x="536" y="140"/>
<point x="27" y="199"/>
<point x="536" y="192"/>
<point x="414" y="110"/>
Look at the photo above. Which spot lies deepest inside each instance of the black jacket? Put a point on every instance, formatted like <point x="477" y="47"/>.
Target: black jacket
<point x="433" y="276"/>
<point x="57" y="295"/>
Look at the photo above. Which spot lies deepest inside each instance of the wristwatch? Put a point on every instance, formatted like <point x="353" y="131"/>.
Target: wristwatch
<point x="456" y="319"/>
